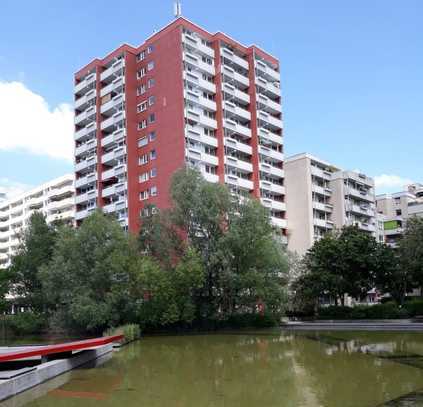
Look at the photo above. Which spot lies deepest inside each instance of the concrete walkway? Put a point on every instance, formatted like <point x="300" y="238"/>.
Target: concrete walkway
<point x="355" y="325"/>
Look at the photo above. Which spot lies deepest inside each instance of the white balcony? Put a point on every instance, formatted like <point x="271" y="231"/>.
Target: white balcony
<point x="269" y="104"/>
<point x="61" y="204"/>
<point x="270" y="186"/>
<point x="82" y="214"/>
<point x="273" y="205"/>
<point x="235" y="59"/>
<point x="237" y="111"/>
<point x="83" y="101"/>
<point x="117" y="69"/>
<point x="86" y="116"/>
<point x="61" y="216"/>
<point x="270" y="136"/>
<point x="200" y="118"/>
<point x="86" y="164"/>
<point x="114" y="172"/>
<point x="197" y="98"/>
<point x="239" y="164"/>
<point x="270" y="120"/>
<point x="87" y="196"/>
<point x="214" y="178"/>
<point x="237" y="128"/>
<point x="197" y="133"/>
<point x="196" y="43"/>
<point x="320" y="206"/>
<point x="114" y="155"/>
<point x="87" y="132"/>
<point x="82" y="86"/>
<point x="239" y="182"/>
<point x="267" y="71"/>
<point x="110" y="107"/>
<point x="193" y="154"/>
<point x="84" y="148"/>
<point x="239" y="95"/>
<point x="269" y="152"/>
<point x="270" y="169"/>
<point x="199" y="82"/>
<point x="278" y="222"/>
<point x="270" y="88"/>
<point x="319" y="173"/>
<point x="236" y="145"/>
<point x="113" y="121"/>
<point x="196" y="61"/>
<point x="114" y="138"/>
<point x="116" y="86"/>
<point x="237" y="77"/>
<point x="326" y="191"/>
<point x="85" y="181"/>
<point x="115" y="189"/>
<point x="116" y="206"/>
<point x="360" y="194"/>
<point x="322" y="223"/>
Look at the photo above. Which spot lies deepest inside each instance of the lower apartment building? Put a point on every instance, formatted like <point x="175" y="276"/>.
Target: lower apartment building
<point x="183" y="97"/>
<point x="321" y="197"/>
<point x="397" y="208"/>
<point x="55" y="199"/>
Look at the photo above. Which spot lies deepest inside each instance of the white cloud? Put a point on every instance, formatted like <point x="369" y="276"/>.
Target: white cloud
<point x="391" y="183"/>
<point x="29" y="124"/>
<point x="12" y="188"/>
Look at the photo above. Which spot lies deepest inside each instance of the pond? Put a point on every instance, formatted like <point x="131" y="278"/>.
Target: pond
<point x="249" y="369"/>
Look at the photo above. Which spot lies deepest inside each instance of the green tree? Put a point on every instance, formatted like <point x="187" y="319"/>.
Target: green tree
<point x="34" y="251"/>
<point x="343" y="262"/>
<point x="411" y="250"/>
<point x="391" y="278"/>
<point x="88" y="282"/>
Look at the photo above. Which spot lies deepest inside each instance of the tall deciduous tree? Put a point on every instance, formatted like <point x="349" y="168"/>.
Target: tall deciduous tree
<point x="411" y="250"/>
<point x="34" y="251"/>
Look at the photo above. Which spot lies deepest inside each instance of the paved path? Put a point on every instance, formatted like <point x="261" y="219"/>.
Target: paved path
<point x="357" y="325"/>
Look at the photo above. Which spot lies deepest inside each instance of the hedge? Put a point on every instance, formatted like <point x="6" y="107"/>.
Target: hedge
<point x="388" y="310"/>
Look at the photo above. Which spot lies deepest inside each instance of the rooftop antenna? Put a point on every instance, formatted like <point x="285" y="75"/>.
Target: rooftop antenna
<point x="177" y="9"/>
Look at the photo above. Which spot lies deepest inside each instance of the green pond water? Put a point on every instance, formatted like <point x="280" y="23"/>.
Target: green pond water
<point x="249" y="369"/>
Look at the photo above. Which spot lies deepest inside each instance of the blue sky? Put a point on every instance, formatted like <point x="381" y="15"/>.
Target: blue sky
<point x="352" y="78"/>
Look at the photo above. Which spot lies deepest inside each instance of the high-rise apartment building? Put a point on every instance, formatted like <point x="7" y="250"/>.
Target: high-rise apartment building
<point x="55" y="199"/>
<point x="321" y="197"/>
<point x="184" y="97"/>
<point x="397" y="208"/>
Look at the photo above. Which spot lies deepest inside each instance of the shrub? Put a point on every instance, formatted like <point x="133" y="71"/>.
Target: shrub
<point x="334" y="312"/>
<point x="265" y="320"/>
<point x="130" y="332"/>
<point x="414" y="307"/>
<point x="26" y="323"/>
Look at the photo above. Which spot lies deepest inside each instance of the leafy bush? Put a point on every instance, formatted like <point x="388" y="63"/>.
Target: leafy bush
<point x="388" y="310"/>
<point x="26" y="323"/>
<point x="335" y="312"/>
<point x="414" y="307"/>
<point x="248" y="320"/>
<point x="130" y="332"/>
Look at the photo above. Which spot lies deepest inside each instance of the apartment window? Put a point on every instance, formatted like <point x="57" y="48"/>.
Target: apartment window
<point x="143" y="177"/>
<point x="143" y="141"/>
<point x="151" y="100"/>
<point x="153" y="155"/>
<point x="141" y="56"/>
<point x="150" y="83"/>
<point x="142" y="106"/>
<point x="151" y="118"/>
<point x="143" y="195"/>
<point x="210" y="169"/>
<point x="207" y="60"/>
<point x="143" y="159"/>
<point x="142" y="124"/>
<point x="141" y="90"/>
<point x="141" y="73"/>
<point x="209" y="132"/>
<point x="150" y="49"/>
<point x="153" y="191"/>
<point x="150" y="66"/>
<point x="153" y="172"/>
<point x="152" y="136"/>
